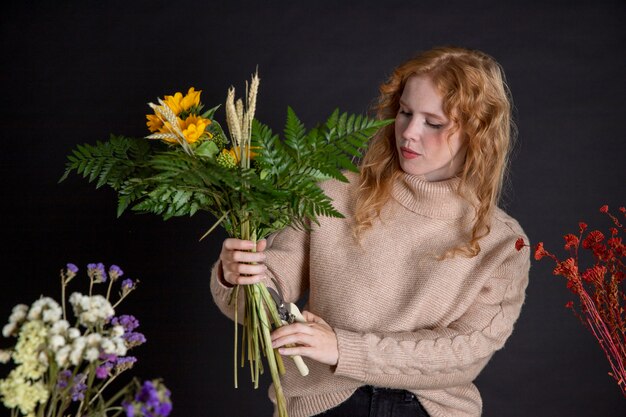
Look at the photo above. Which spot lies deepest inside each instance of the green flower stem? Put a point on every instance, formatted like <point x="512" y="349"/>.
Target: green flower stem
<point x="52" y="372"/>
<point x="91" y="375"/>
<point x="236" y="299"/>
<point x="102" y="388"/>
<point x="117" y="395"/>
<point x="271" y="355"/>
<point x="120" y="410"/>
<point x="217" y="223"/>
<point x="260" y="312"/>
<point x="273" y="312"/>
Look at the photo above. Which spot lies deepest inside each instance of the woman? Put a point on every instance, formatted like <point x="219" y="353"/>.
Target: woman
<point x="411" y="294"/>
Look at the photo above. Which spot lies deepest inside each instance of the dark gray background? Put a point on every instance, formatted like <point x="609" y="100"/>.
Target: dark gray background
<point x="74" y="72"/>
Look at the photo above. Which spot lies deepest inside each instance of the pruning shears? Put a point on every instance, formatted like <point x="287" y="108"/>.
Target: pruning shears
<point x="289" y="313"/>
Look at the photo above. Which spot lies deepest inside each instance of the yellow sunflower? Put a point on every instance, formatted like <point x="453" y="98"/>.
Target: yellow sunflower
<point x="154" y="123"/>
<point x="179" y="103"/>
<point x="193" y="128"/>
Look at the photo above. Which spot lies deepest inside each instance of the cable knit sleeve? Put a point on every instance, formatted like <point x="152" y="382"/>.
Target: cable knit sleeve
<point x="288" y="262"/>
<point x="222" y="294"/>
<point x="441" y="357"/>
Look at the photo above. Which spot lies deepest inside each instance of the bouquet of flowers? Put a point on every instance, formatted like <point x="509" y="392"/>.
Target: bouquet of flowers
<point x="601" y="301"/>
<point x="65" y="363"/>
<point x="252" y="182"/>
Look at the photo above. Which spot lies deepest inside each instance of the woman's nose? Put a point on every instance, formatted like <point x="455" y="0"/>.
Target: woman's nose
<point x="411" y="131"/>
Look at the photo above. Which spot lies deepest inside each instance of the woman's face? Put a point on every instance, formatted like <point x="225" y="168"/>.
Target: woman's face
<point x="422" y="133"/>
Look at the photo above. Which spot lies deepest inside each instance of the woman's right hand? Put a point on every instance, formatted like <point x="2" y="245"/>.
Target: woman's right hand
<point x="240" y="266"/>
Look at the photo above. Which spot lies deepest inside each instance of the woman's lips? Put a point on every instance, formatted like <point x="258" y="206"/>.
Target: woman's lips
<point x="408" y="153"/>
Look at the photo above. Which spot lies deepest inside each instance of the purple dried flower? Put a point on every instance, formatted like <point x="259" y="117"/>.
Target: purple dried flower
<point x="148" y="394"/>
<point x="107" y="357"/>
<point x="125" y="359"/>
<point x="103" y="371"/>
<point x="124" y="363"/>
<point x="129" y="322"/>
<point x="64" y="379"/>
<point x="164" y="409"/>
<point x="127" y="285"/>
<point x="78" y="388"/>
<point x="152" y="400"/>
<point x="115" y="272"/>
<point x="134" y="339"/>
<point x="70" y="272"/>
<point x="97" y="272"/>
<point x="129" y="408"/>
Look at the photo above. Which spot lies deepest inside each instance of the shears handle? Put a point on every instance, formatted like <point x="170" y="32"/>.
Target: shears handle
<point x="295" y="311"/>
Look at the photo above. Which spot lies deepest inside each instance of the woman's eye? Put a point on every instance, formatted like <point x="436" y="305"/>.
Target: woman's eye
<point x="434" y="125"/>
<point x="404" y="112"/>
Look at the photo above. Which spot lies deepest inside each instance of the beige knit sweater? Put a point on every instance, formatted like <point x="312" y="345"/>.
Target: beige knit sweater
<point x="403" y="318"/>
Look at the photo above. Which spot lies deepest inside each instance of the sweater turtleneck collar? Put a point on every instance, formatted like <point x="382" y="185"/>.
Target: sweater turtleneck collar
<point x="432" y="199"/>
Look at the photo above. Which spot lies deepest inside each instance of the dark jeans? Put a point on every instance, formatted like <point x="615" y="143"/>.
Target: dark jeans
<point x="370" y="401"/>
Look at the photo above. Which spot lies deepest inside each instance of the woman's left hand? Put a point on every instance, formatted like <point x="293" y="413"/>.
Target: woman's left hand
<point x="314" y="339"/>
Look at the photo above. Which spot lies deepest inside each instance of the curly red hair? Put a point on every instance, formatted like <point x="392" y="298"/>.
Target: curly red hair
<point x="477" y="100"/>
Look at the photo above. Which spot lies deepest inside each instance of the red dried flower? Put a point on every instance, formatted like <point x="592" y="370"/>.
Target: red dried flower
<point x="567" y="268"/>
<point x="622" y="209"/>
<point x="593" y="238"/>
<point x="540" y="252"/>
<point x="569" y="304"/>
<point x="595" y="274"/>
<point x="571" y="241"/>
<point x="519" y="244"/>
<point x="582" y="226"/>
<point x="604" y="209"/>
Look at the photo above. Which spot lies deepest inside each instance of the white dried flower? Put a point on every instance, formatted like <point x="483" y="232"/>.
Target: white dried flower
<point x="93" y="339"/>
<point x="17" y="317"/>
<point x="5" y="356"/>
<point x="91" y="354"/>
<point x="18" y="314"/>
<point x="56" y="342"/>
<point x="52" y="315"/>
<point x="73" y="333"/>
<point x="43" y="358"/>
<point x="117" y="331"/>
<point x="62" y="355"/>
<point x="107" y="345"/>
<point x="60" y="327"/>
<point x="91" y="310"/>
<point x="78" y="347"/>
<point x="46" y="309"/>
<point x="9" y="329"/>
<point x="120" y="347"/>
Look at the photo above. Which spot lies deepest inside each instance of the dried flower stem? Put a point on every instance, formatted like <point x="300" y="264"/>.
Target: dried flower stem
<point x="599" y="329"/>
